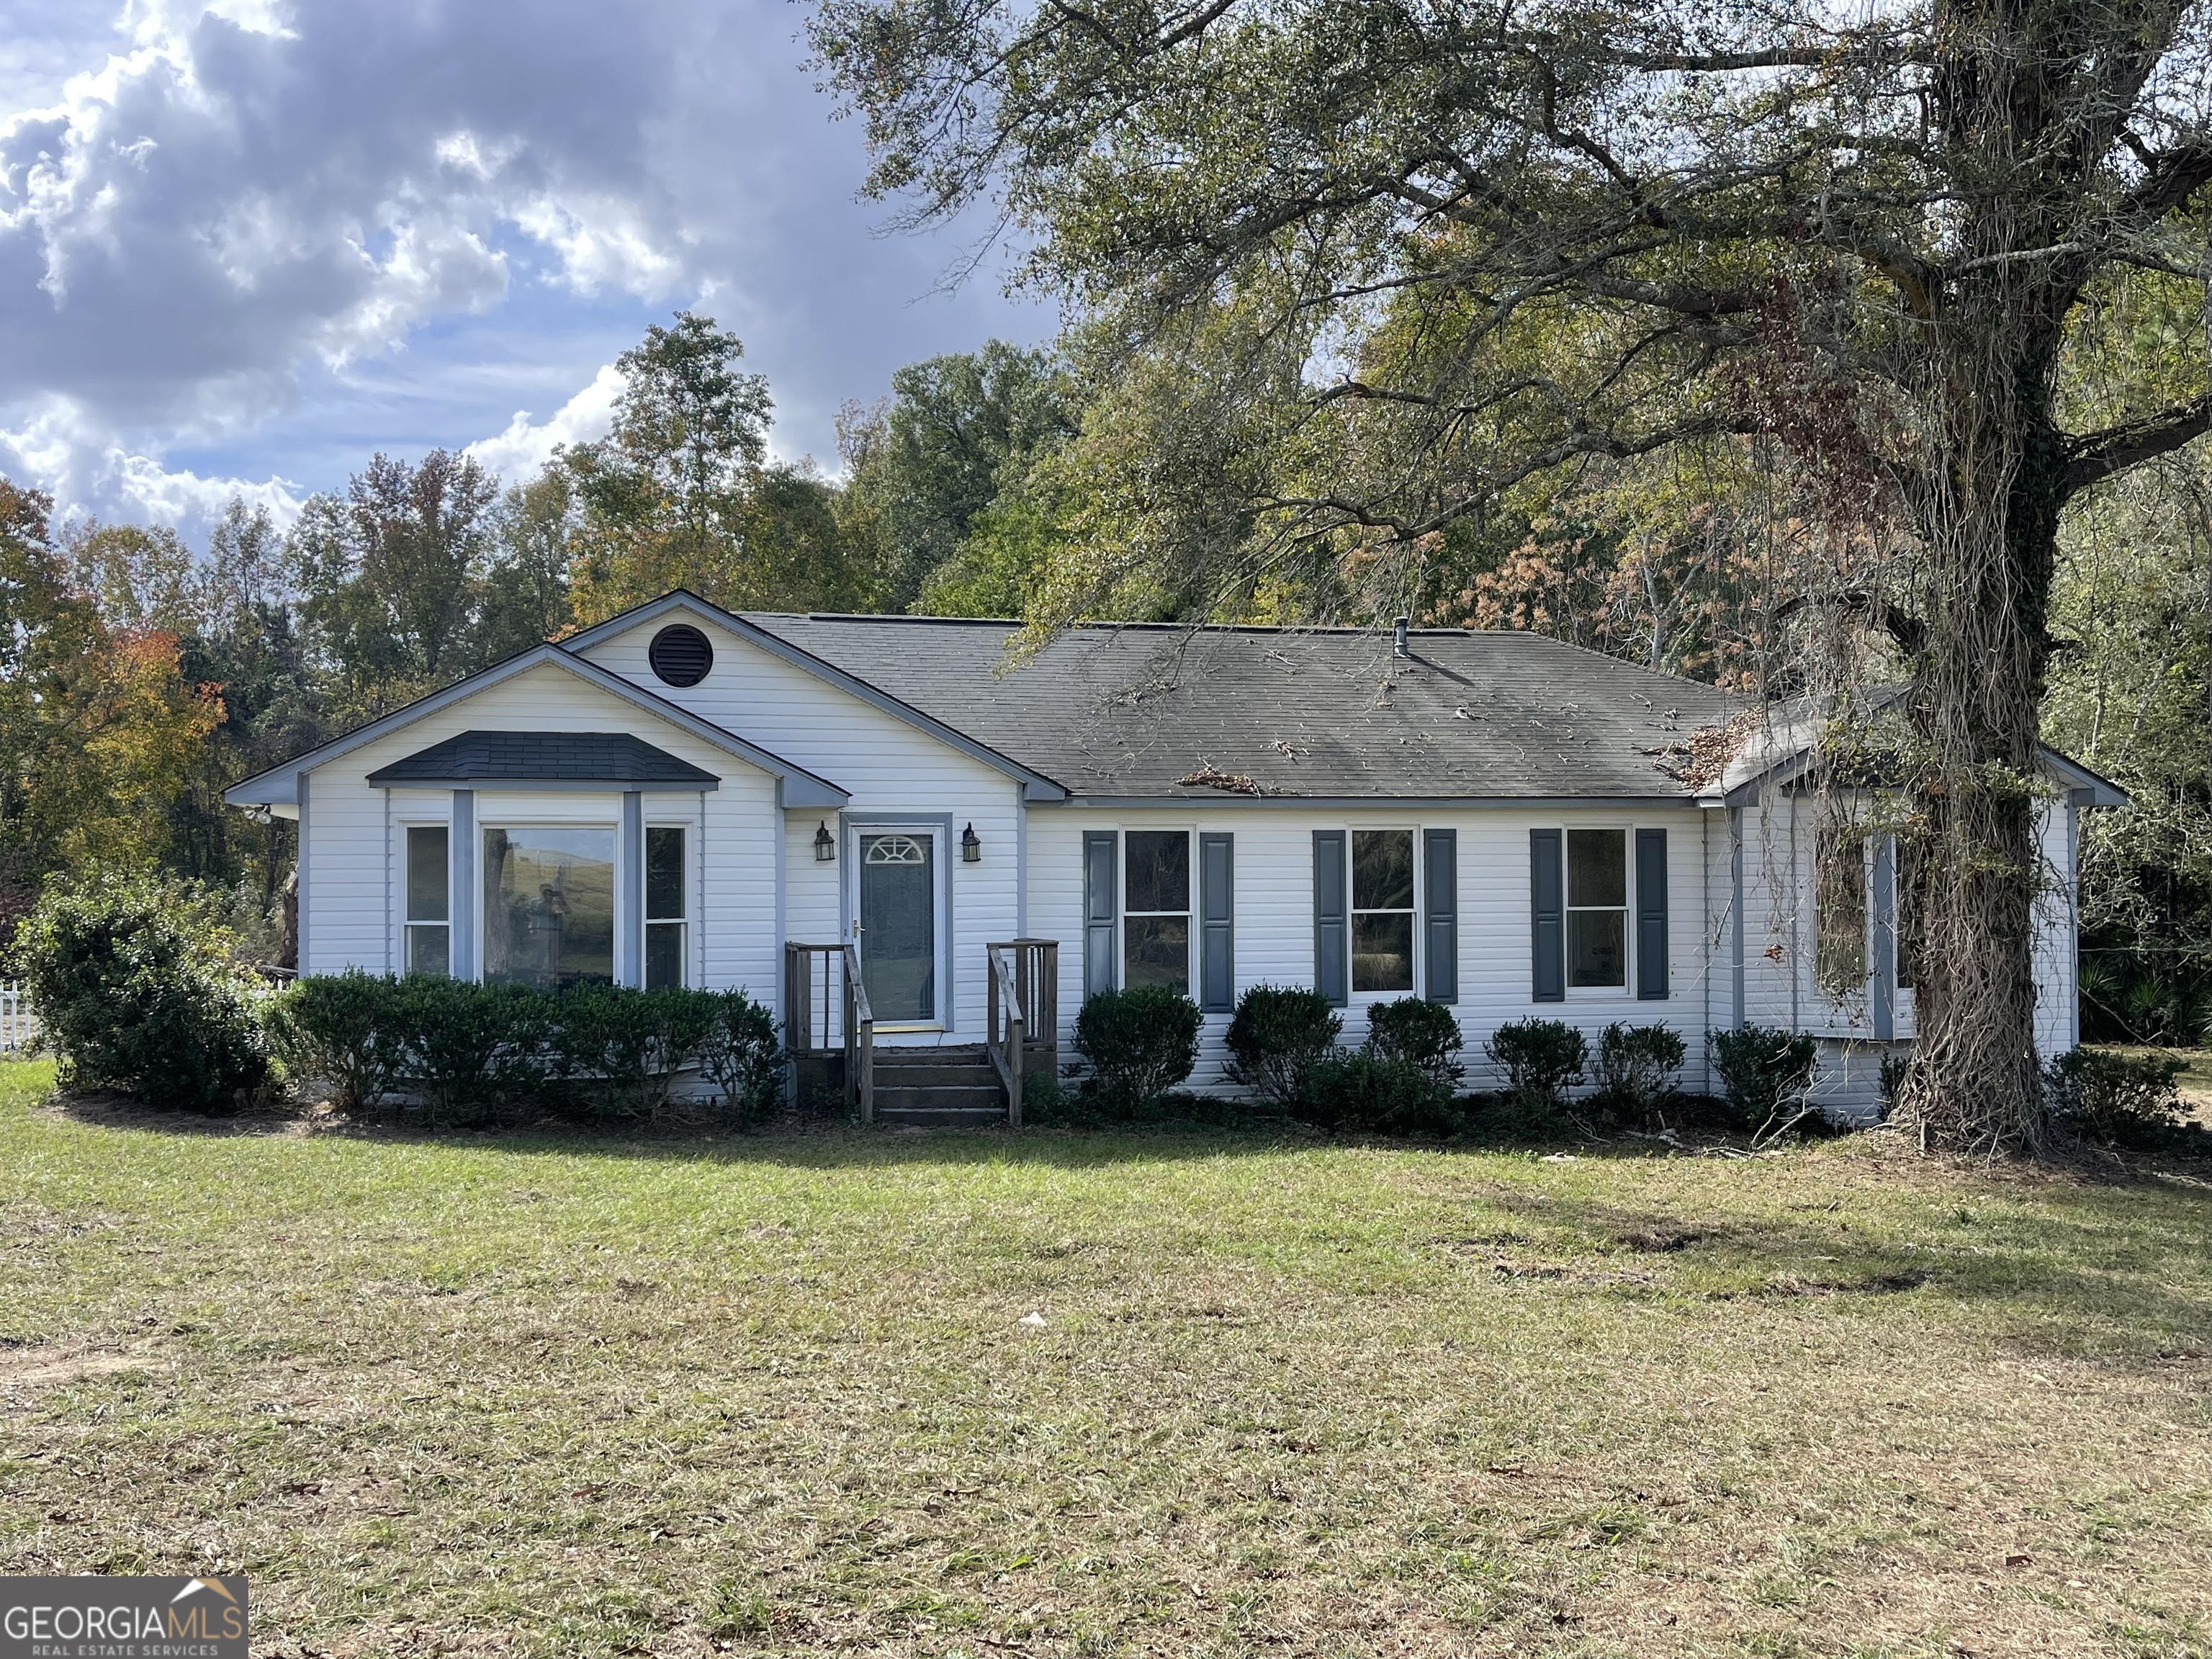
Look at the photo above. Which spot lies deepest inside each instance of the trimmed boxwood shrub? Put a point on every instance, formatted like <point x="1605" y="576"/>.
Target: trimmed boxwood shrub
<point x="1383" y="1094"/>
<point x="1420" y="1033"/>
<point x="620" y="1049"/>
<point x="1636" y="1068"/>
<point x="132" y="993"/>
<point x="1542" y="1059"/>
<point x="1766" y="1073"/>
<point x="335" y="1028"/>
<point x="1139" y="1043"/>
<point x="743" y="1058"/>
<point x="465" y="1050"/>
<point x="1277" y="1034"/>
<point x="2111" y="1098"/>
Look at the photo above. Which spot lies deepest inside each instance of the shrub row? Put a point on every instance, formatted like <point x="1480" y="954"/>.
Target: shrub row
<point x="1283" y="1048"/>
<point x="135" y="992"/>
<point x="460" y="1048"/>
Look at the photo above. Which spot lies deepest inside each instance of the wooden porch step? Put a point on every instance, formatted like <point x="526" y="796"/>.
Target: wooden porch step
<point x="942" y="1117"/>
<point x="964" y="1097"/>
<point x="981" y="1076"/>
<point x="948" y="1054"/>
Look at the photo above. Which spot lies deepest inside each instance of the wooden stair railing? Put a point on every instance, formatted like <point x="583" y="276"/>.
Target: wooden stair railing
<point x="811" y="996"/>
<point x="1021" y="1022"/>
<point x="859" y="1041"/>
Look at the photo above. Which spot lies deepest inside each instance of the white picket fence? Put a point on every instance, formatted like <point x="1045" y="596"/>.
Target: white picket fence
<point x="19" y="1026"/>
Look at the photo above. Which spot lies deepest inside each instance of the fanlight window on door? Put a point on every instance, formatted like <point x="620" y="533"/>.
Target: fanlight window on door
<point x="895" y="850"/>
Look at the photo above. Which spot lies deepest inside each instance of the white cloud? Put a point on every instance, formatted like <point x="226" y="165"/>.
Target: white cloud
<point x="88" y="474"/>
<point x="264" y="232"/>
<point x="521" y="450"/>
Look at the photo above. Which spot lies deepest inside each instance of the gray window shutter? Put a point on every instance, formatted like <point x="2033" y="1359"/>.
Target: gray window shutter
<point x="1442" y="847"/>
<point x="1651" y="915"/>
<point x="1216" y="897"/>
<point x="1548" y="914"/>
<point x="1332" y="937"/>
<point x="1099" y="904"/>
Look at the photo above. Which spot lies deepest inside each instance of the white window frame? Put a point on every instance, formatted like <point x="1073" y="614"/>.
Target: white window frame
<point x="1626" y="989"/>
<point x="408" y="924"/>
<point x="1122" y="913"/>
<point x="687" y="829"/>
<point x="1356" y="997"/>
<point x="485" y="825"/>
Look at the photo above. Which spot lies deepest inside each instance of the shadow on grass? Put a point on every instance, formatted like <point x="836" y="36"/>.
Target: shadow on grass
<point x="2061" y="1267"/>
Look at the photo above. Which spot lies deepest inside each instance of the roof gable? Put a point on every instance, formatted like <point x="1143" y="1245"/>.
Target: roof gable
<point x="961" y="733"/>
<point x="279" y="785"/>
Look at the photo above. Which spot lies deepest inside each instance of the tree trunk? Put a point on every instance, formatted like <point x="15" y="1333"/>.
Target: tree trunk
<point x="1989" y="526"/>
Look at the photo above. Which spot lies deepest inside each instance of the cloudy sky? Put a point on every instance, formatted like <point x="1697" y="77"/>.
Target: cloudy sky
<point x="244" y="245"/>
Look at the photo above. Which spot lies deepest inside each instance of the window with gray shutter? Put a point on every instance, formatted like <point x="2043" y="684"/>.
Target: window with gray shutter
<point x="1099" y="903"/>
<point x="1548" y="916"/>
<point x="1216" y="897"/>
<point x="1651" y="915"/>
<point x="1331" y="945"/>
<point x="1441" y="848"/>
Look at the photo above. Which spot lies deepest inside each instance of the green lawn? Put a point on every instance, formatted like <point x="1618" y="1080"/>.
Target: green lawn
<point x="782" y="1395"/>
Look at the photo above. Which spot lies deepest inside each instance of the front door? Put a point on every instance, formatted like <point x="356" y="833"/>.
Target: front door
<point x="898" y="925"/>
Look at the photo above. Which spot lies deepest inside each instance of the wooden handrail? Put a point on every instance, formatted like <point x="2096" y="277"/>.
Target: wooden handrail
<point x="859" y="1040"/>
<point x="1005" y="996"/>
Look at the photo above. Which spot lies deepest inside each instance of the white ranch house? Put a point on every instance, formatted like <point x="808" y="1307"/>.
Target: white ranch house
<point x="1496" y="821"/>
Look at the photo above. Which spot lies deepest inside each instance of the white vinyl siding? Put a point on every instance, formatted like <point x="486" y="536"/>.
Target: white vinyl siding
<point x="892" y="770"/>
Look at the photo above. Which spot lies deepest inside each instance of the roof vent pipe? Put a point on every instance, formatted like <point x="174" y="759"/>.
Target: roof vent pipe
<point x="1398" y="640"/>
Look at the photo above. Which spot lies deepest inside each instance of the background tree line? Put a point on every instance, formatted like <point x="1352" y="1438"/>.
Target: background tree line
<point x="141" y="678"/>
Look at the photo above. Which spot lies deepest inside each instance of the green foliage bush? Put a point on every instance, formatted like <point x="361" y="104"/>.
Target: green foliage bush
<point x="1383" y="1094"/>
<point x="1420" y="1033"/>
<point x="332" y="1028"/>
<point x="465" y="1050"/>
<point x="1542" y="1058"/>
<point x="1766" y="1073"/>
<point x="132" y="993"/>
<point x="1139" y="1043"/>
<point x="619" y="1049"/>
<point x="1277" y="1034"/>
<point x="743" y="1058"/>
<point x="2112" y="1098"/>
<point x="1636" y="1068"/>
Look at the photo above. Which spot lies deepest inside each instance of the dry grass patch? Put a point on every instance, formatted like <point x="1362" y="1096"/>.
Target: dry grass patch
<point x="1061" y="1396"/>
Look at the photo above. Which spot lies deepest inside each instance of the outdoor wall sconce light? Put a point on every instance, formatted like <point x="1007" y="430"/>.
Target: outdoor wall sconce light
<point x="971" y="849"/>
<point x="825" y="844"/>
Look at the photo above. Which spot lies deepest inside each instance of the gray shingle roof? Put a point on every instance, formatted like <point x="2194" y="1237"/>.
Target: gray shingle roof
<point x="1132" y="710"/>
<point x="547" y="757"/>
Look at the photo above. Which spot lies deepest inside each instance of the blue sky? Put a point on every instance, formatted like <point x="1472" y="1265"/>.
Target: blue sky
<point x="244" y="246"/>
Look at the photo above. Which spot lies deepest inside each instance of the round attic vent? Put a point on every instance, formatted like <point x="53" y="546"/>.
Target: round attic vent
<point x="680" y="654"/>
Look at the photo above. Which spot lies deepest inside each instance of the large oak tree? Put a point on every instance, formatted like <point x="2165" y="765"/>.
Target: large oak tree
<point x="1481" y="241"/>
